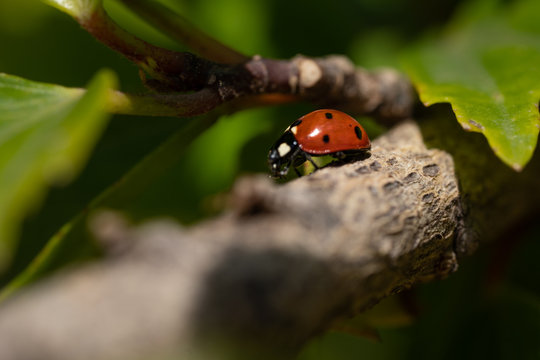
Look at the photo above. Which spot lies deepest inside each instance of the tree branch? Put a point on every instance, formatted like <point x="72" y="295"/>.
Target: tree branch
<point x="181" y="30"/>
<point x="279" y="267"/>
<point x="284" y="262"/>
<point x="331" y="81"/>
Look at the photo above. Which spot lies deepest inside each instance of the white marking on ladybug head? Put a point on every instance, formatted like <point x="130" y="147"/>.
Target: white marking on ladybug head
<point x="294" y="130"/>
<point x="283" y="149"/>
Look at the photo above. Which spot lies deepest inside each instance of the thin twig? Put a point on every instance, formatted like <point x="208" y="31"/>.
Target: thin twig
<point x="184" y="32"/>
<point x="331" y="81"/>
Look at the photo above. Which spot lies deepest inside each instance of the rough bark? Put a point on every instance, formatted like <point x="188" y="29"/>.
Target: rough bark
<point x="278" y="267"/>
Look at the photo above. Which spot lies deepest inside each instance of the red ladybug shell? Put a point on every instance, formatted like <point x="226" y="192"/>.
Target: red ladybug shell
<point x="329" y="131"/>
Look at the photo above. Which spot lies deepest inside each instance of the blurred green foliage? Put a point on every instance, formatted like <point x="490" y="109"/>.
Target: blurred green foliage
<point x="47" y="132"/>
<point x="459" y="316"/>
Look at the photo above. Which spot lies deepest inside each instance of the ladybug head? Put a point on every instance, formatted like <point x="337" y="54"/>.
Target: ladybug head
<point x="282" y="154"/>
<point x="274" y="162"/>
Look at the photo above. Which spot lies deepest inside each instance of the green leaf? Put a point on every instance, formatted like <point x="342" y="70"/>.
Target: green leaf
<point x="486" y="67"/>
<point x="145" y="190"/>
<point x="72" y="241"/>
<point x="78" y="9"/>
<point x="46" y="133"/>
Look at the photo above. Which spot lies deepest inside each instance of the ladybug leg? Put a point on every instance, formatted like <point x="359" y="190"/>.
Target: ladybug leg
<point x="308" y="157"/>
<point x="293" y="161"/>
<point x="352" y="156"/>
<point x="285" y="170"/>
<point x="299" y="157"/>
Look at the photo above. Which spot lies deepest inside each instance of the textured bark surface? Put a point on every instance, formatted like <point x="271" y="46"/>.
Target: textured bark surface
<point x="278" y="267"/>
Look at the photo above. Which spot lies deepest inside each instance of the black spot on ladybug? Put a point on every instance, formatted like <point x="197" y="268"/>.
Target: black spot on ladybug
<point x="328" y="115"/>
<point x="326" y="138"/>
<point x="296" y="123"/>
<point x="358" y="132"/>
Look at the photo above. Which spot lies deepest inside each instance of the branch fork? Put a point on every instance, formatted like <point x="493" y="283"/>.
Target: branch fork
<point x="194" y="85"/>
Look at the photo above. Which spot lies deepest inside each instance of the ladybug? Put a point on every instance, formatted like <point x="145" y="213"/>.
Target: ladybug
<point x="319" y="133"/>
